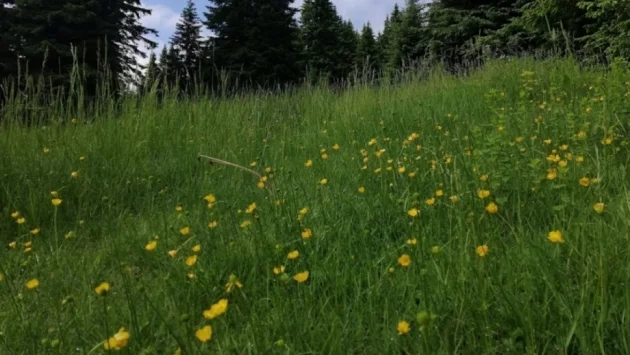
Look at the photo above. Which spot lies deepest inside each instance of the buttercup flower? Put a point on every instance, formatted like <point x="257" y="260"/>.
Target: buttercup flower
<point x="102" y="289"/>
<point x="301" y="277"/>
<point x="118" y="341"/>
<point x="151" y="245"/>
<point x="216" y="309"/>
<point x="204" y="334"/>
<point x="293" y="255"/>
<point x="404" y="260"/>
<point x="482" y="250"/>
<point x="403" y="327"/>
<point x="555" y="237"/>
<point x="32" y="284"/>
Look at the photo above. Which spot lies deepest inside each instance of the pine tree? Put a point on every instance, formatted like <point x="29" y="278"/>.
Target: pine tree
<point x="254" y="41"/>
<point x="367" y="50"/>
<point x="187" y="41"/>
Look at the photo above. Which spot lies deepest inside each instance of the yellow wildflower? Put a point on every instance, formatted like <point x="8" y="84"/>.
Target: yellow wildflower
<point x="323" y="181"/>
<point x="454" y="199"/>
<point x="213" y="224"/>
<point x="151" y="245"/>
<point x="301" y="277"/>
<point x="32" y="284"/>
<point x="210" y="199"/>
<point x="335" y="147"/>
<point x="251" y="208"/>
<point x="196" y="248"/>
<point x="278" y="270"/>
<point x="35" y="231"/>
<point x="555" y="237"/>
<point x="118" y="341"/>
<point x="585" y="182"/>
<point x="184" y="231"/>
<point x="20" y="220"/>
<point x="483" y="194"/>
<point x="308" y="163"/>
<point x="439" y="193"/>
<point x="307" y="233"/>
<point x="191" y="260"/>
<point x="492" y="208"/>
<point x="204" y="334"/>
<point x="56" y="201"/>
<point x="361" y="190"/>
<point x="412" y="241"/>
<point x="15" y="214"/>
<point x="293" y="255"/>
<point x="216" y="309"/>
<point x="482" y="250"/>
<point x="74" y="174"/>
<point x="414" y="212"/>
<point x="102" y="289"/>
<point x="599" y="207"/>
<point x="404" y="260"/>
<point x="430" y="201"/>
<point x="403" y="327"/>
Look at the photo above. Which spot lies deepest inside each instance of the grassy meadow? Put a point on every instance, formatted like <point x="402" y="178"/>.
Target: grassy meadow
<point x="486" y="214"/>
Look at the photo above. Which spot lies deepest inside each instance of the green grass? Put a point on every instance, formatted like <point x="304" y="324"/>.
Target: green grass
<point x="527" y="295"/>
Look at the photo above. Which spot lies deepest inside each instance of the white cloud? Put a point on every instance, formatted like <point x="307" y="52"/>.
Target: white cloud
<point x="162" y="17"/>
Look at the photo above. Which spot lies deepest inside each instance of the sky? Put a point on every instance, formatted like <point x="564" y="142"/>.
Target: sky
<point x="166" y="14"/>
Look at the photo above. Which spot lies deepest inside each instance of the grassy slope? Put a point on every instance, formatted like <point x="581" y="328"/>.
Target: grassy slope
<point x="526" y="295"/>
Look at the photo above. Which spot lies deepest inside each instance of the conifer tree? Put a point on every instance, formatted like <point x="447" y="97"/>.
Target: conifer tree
<point x="254" y="40"/>
<point x="367" y="50"/>
<point x="187" y="42"/>
<point x="8" y="42"/>
<point x="328" y="41"/>
<point x="96" y="36"/>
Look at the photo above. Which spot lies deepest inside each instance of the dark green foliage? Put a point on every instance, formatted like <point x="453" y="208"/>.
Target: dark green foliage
<point x="8" y="41"/>
<point x="186" y="43"/>
<point x="329" y="42"/>
<point x="254" y="42"/>
<point x="608" y="35"/>
<point x="455" y="24"/>
<point x="368" y="56"/>
<point x="99" y="37"/>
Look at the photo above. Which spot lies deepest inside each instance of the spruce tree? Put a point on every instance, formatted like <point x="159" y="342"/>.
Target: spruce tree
<point x="392" y="54"/>
<point x="187" y="41"/>
<point x="367" y="50"/>
<point x="412" y="37"/>
<point x="254" y="41"/>
<point x="95" y="36"/>
<point x="456" y="25"/>
<point x="326" y="39"/>
<point x="151" y="75"/>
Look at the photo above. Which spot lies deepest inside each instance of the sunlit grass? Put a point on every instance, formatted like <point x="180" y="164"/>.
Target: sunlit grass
<point x="486" y="214"/>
